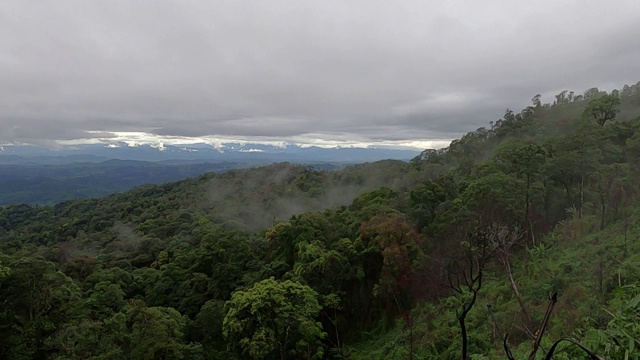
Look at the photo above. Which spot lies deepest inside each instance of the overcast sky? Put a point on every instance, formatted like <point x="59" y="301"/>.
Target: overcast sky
<point x="326" y="70"/>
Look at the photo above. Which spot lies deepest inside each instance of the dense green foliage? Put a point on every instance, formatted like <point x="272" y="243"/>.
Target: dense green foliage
<point x="388" y="260"/>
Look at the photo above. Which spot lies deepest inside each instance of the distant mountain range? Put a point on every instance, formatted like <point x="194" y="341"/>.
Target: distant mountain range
<point x="238" y="152"/>
<point x="34" y="175"/>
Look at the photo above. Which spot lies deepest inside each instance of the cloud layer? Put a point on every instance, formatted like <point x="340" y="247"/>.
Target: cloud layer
<point x="370" y="71"/>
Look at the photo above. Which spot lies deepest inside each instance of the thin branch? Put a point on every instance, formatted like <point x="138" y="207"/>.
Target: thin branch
<point x="591" y="354"/>
<point x="495" y="323"/>
<point x="528" y="332"/>
<point x="506" y="348"/>
<point x="532" y="337"/>
<point x="552" y="301"/>
<point x="455" y="288"/>
<point x="468" y="279"/>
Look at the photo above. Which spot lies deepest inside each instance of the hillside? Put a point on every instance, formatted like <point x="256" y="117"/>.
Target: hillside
<point x="384" y="260"/>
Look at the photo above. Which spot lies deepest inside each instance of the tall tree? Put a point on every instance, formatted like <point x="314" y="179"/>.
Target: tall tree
<point x="274" y="320"/>
<point x="526" y="160"/>
<point x="603" y="109"/>
<point x="399" y="245"/>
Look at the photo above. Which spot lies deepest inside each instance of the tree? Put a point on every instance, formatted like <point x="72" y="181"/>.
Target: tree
<point x="562" y="98"/>
<point x="399" y="244"/>
<point x="603" y="109"/>
<point x="207" y="330"/>
<point x="526" y="160"/>
<point x="105" y="299"/>
<point x="274" y="319"/>
<point x="36" y="301"/>
<point x="464" y="277"/>
<point x="425" y="200"/>
<point x="609" y="183"/>
<point x="592" y="93"/>
<point x="571" y="162"/>
<point x="503" y="240"/>
<point x="495" y="199"/>
<point x="536" y="101"/>
<point x="157" y="333"/>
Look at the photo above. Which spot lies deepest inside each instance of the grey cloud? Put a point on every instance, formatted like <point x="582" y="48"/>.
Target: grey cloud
<point x="373" y="69"/>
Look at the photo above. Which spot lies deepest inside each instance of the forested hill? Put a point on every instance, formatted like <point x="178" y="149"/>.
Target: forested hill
<point x="388" y="260"/>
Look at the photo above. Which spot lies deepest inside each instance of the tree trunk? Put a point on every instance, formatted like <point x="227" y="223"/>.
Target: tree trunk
<point x="463" y="331"/>
<point x="526" y="211"/>
<point x="566" y="188"/>
<point x="581" y="195"/>
<point x="505" y="261"/>
<point x="602" y="215"/>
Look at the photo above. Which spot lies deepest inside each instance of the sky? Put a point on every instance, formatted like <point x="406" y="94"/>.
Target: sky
<point x="402" y="73"/>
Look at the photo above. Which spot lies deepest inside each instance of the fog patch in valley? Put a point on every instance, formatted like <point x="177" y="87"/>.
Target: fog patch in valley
<point x="256" y="199"/>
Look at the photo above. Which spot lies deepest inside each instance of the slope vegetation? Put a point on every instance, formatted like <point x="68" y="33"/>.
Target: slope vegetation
<point x="438" y="258"/>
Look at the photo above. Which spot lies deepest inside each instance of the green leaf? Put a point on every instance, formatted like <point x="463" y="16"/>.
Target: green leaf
<point x="634" y="302"/>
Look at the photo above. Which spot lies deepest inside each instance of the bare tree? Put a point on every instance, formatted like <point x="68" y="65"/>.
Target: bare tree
<point x="464" y="276"/>
<point x="504" y="239"/>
